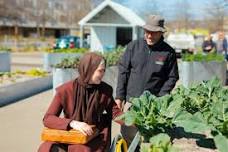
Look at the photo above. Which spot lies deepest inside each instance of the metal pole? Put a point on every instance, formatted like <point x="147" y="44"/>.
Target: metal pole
<point x="81" y="36"/>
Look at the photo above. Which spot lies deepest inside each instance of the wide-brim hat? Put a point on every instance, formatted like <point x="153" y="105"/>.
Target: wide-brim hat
<point x="154" y="23"/>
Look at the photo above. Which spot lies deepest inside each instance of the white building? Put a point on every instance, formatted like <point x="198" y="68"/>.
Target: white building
<point x="111" y="24"/>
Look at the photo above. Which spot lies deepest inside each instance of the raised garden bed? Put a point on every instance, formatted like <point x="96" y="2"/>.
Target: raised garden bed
<point x="62" y="75"/>
<point x="5" y="60"/>
<point x="193" y="72"/>
<point x="189" y="119"/>
<point x="199" y="67"/>
<point x="53" y="57"/>
<point x="66" y="70"/>
<point x="19" y="85"/>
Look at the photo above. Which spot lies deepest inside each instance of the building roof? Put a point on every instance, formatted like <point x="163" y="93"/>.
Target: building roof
<point x="131" y="17"/>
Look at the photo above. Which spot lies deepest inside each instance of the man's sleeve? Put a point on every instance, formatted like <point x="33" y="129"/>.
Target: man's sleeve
<point x="123" y="74"/>
<point x="225" y="44"/>
<point x="173" y="76"/>
<point x="214" y="47"/>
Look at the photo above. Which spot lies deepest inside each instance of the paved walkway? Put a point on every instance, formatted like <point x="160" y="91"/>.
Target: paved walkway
<point x="21" y="123"/>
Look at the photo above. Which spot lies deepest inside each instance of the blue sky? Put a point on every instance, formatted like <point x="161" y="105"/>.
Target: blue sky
<point x="196" y="7"/>
<point x="169" y="9"/>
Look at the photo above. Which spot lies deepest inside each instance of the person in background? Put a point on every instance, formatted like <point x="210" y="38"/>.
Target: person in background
<point x="83" y="102"/>
<point x="208" y="45"/>
<point x="221" y="44"/>
<point x="149" y="64"/>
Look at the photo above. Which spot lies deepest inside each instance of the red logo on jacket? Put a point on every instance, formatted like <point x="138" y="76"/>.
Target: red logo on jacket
<point x="160" y="60"/>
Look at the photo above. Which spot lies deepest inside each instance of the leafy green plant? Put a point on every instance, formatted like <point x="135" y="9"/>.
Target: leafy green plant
<point x="36" y="72"/>
<point x="13" y="76"/>
<point x="207" y="104"/>
<point x="4" y="49"/>
<point x="113" y="57"/>
<point x="68" y="50"/>
<point x="198" y="109"/>
<point x="159" y="143"/>
<point x="210" y="99"/>
<point x="149" y="114"/>
<point x="199" y="57"/>
<point x="6" y="76"/>
<point x="68" y="63"/>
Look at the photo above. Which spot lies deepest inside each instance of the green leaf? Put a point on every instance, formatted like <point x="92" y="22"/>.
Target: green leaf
<point x="136" y="104"/>
<point x="161" y="139"/>
<point x="191" y="123"/>
<point x="145" y="147"/>
<point x="221" y="143"/>
<point x="181" y="115"/>
<point x="173" y="108"/>
<point x="130" y="117"/>
<point x="161" y="143"/>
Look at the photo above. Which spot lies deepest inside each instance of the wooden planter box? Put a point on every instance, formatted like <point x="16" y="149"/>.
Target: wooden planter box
<point x="61" y="76"/>
<point x="20" y="90"/>
<point x="5" y="60"/>
<point x="194" y="72"/>
<point x="51" y="59"/>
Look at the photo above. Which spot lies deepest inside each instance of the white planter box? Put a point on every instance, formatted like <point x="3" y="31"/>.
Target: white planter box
<point x="194" y="72"/>
<point x="111" y="76"/>
<point x="5" y="60"/>
<point x="17" y="91"/>
<point x="61" y="76"/>
<point x="51" y="59"/>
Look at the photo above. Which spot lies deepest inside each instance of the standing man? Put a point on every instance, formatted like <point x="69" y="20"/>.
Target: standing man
<point x="221" y="45"/>
<point x="147" y="64"/>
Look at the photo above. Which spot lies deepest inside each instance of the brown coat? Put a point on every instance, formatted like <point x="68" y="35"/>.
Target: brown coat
<point x="64" y="101"/>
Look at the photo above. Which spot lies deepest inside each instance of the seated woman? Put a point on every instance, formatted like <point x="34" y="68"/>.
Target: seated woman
<point x="83" y="102"/>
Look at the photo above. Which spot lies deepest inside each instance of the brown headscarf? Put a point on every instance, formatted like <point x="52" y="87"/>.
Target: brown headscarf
<point x="86" y="95"/>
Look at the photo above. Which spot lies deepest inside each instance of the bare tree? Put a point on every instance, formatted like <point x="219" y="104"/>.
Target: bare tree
<point x="43" y="16"/>
<point x="77" y="10"/>
<point x="12" y="12"/>
<point x="216" y="12"/>
<point x="183" y="15"/>
<point x="43" y="12"/>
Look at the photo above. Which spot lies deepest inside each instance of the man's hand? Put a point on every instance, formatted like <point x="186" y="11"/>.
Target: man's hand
<point x="119" y="103"/>
<point x="208" y="48"/>
<point x="82" y="127"/>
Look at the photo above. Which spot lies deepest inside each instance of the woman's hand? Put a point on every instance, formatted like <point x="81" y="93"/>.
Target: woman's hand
<point x="82" y="127"/>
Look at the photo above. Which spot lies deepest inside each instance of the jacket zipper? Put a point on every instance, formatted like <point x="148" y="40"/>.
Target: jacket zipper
<point x="146" y="66"/>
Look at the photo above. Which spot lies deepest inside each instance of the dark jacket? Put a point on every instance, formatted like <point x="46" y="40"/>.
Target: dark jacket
<point x="224" y="45"/>
<point x="208" y="43"/>
<point x="146" y="68"/>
